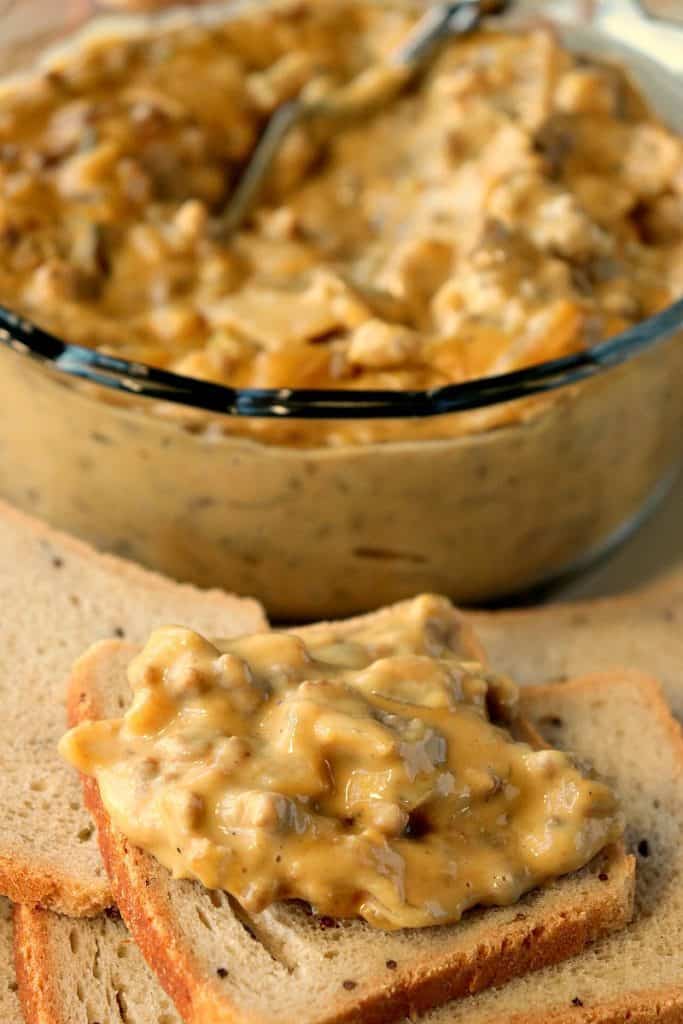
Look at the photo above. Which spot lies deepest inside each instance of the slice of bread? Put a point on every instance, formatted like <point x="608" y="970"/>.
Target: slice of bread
<point x="72" y="971"/>
<point x="10" y="1010"/>
<point x="220" y="964"/>
<point x="622" y="723"/>
<point x="57" y="596"/>
<point x="643" y="630"/>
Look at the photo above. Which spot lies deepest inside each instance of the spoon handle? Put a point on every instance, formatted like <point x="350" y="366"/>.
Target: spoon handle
<point x="440" y="22"/>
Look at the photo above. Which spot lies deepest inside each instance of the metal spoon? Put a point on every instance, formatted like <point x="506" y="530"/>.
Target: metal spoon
<point x="370" y="91"/>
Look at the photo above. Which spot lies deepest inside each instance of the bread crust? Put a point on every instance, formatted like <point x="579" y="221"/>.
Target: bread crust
<point x="33" y="881"/>
<point x="138" y="882"/>
<point x="35" y="974"/>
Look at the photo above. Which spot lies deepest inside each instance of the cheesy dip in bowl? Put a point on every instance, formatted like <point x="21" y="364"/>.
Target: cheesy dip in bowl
<point x="394" y="377"/>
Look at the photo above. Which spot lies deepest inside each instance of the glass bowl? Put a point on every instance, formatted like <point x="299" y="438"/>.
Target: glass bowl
<point x="328" y="531"/>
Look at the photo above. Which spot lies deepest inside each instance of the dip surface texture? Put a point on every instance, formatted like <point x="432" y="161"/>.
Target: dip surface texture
<point x="366" y="777"/>
<point x="516" y="204"/>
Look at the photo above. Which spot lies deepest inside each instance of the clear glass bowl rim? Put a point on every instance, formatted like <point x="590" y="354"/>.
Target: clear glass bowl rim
<point x="142" y="380"/>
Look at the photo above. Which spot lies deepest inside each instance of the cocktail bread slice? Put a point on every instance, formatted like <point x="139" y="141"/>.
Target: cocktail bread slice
<point x="221" y="965"/>
<point x="57" y="596"/>
<point x="642" y="629"/>
<point x="10" y="1010"/>
<point x="71" y="970"/>
<point x="623" y="724"/>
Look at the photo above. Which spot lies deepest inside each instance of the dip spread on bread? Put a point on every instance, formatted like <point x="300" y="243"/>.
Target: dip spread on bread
<point x="371" y="777"/>
<point x="516" y="204"/>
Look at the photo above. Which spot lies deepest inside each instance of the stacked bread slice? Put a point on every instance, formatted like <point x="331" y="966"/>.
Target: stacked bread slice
<point x="283" y="964"/>
<point x="636" y="971"/>
<point x="221" y="964"/>
<point x="57" y="597"/>
<point x="72" y="971"/>
<point x="551" y="644"/>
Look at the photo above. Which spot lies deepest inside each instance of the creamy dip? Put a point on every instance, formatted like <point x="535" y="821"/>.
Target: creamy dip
<point x="372" y="777"/>
<point x="515" y="204"/>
